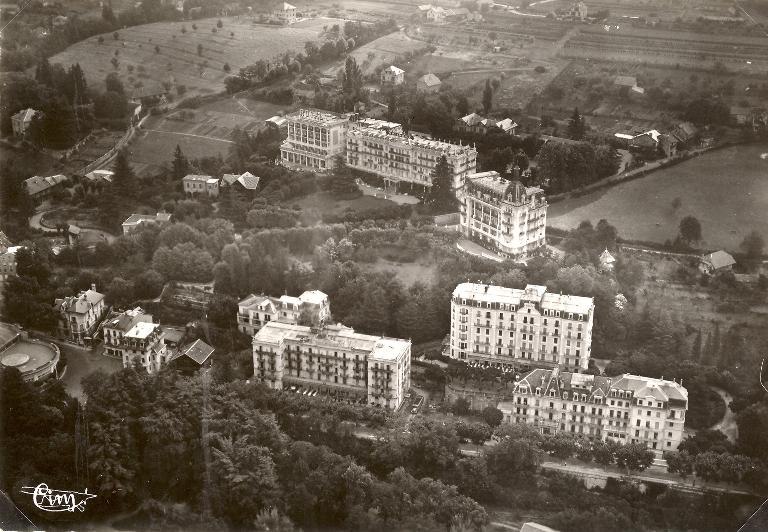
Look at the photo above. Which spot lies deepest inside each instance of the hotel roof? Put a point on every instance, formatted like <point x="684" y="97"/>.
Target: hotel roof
<point x="427" y="144"/>
<point x="314" y="297"/>
<point x="515" y="296"/>
<point x="317" y="116"/>
<point x="394" y="70"/>
<point x="332" y="336"/>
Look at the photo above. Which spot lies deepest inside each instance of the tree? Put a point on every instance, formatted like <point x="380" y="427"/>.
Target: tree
<point x="200" y="49"/>
<point x="114" y="84"/>
<point x="115" y="63"/>
<point x="690" y="230"/>
<point x="180" y="164"/>
<point x="108" y="15"/>
<point x="487" y="96"/>
<point x="439" y="197"/>
<point x="576" y="125"/>
<point x="679" y="462"/>
<point x="124" y="181"/>
<point x="676" y="203"/>
<point x="634" y="457"/>
<point x="460" y="407"/>
<point x="493" y="416"/>
<point x="462" y="105"/>
<point x="752" y="246"/>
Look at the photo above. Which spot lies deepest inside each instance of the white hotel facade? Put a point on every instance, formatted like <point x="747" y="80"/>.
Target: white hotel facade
<point x="334" y="360"/>
<point x="375" y="146"/>
<point x="315" y="137"/>
<point x="505" y="216"/>
<point x="529" y="328"/>
<point x="628" y="408"/>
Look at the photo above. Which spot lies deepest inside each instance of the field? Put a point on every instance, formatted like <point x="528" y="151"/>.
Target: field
<point x="369" y="10"/>
<point x="727" y="190"/>
<point x="321" y="203"/>
<point x="409" y="273"/>
<point x="205" y="131"/>
<point x="589" y="86"/>
<point x="175" y="61"/>
<point x="380" y="52"/>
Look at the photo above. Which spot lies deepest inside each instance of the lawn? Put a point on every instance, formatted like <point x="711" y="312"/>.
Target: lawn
<point x="409" y="273"/>
<point x="380" y="52"/>
<point x="240" y="42"/>
<point x="205" y="131"/>
<point x="727" y="190"/>
<point x="324" y="203"/>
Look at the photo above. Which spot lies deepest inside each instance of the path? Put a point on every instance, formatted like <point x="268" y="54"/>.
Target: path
<point x="727" y="425"/>
<point x="34" y="222"/>
<point x="189" y="135"/>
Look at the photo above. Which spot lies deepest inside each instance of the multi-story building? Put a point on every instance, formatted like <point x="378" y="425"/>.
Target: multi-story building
<point x="392" y="76"/>
<point x="334" y="360"/>
<point x="79" y="316"/>
<point x="314" y="138"/>
<point x="116" y="326"/>
<point x="628" y="408"/>
<point x="8" y="261"/>
<point x="400" y="158"/>
<point x="201" y="184"/>
<point x="143" y="345"/>
<point x="255" y="311"/>
<point x="524" y="328"/>
<point x="504" y="215"/>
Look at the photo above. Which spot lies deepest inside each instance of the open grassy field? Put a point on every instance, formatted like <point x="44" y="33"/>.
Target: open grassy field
<point x="409" y="273"/>
<point x="323" y="203"/>
<point x="589" y="86"/>
<point x="727" y="190"/>
<point x="205" y="131"/>
<point x="370" y="10"/>
<point x="175" y="61"/>
<point x="380" y="52"/>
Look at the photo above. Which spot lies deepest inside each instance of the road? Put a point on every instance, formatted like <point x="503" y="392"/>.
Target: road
<point x="82" y="362"/>
<point x="727" y="425"/>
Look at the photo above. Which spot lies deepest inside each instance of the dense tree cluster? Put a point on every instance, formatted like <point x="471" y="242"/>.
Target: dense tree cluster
<point x="565" y="166"/>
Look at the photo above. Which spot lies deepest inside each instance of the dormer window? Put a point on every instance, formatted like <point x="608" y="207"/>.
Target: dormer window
<point x="565" y="395"/>
<point x="538" y="392"/>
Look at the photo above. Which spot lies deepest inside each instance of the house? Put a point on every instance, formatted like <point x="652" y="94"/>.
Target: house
<point x="79" y="315"/>
<point x="143" y="345"/>
<point x="40" y="188"/>
<point x="431" y="13"/>
<point x="625" y="81"/>
<point x="392" y="76"/>
<point x="576" y="11"/>
<point x="8" y="261"/>
<point x="686" y="134"/>
<point x="117" y="325"/>
<point x="607" y="261"/>
<point x="193" y="357"/>
<point x="668" y="145"/>
<point x="135" y="220"/>
<point x="507" y="125"/>
<point x="97" y="176"/>
<point x="472" y="123"/>
<point x="645" y="143"/>
<point x="201" y="184"/>
<point x="285" y="13"/>
<point x="20" y="121"/>
<point x="716" y="262"/>
<point x="428" y="83"/>
<point x="278" y="122"/>
<point x="246" y="182"/>
<point x="255" y="311"/>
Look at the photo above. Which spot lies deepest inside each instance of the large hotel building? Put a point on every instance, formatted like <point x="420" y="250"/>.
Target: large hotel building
<point x="315" y="137"/>
<point x="335" y="360"/>
<point x="529" y="328"/>
<point x="627" y="408"/>
<point x="503" y="215"/>
<point x="399" y="158"/>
